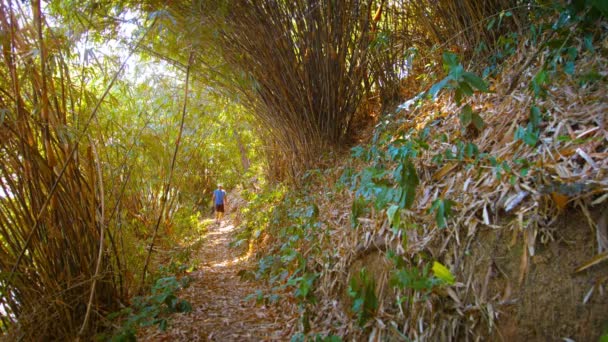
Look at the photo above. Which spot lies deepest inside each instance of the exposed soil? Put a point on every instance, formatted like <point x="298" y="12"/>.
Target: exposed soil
<point x="220" y="311"/>
<point x="552" y="303"/>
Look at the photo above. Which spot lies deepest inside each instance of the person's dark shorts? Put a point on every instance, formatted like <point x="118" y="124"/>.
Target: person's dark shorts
<point x="219" y="208"/>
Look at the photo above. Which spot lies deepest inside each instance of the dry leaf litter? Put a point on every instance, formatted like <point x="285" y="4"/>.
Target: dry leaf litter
<point x="566" y="183"/>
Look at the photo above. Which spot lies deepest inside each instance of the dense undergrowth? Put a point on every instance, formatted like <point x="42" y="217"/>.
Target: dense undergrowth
<point x="386" y="244"/>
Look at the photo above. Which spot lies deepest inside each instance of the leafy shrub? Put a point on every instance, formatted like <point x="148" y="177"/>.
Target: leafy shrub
<point x="152" y="309"/>
<point x="362" y="288"/>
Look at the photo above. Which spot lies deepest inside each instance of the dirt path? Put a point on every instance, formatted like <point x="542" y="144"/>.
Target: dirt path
<point x="217" y="294"/>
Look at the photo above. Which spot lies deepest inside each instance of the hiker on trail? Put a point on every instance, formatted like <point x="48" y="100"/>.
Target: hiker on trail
<point x="219" y="200"/>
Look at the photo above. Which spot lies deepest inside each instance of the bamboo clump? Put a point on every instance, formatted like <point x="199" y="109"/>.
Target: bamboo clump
<point x="51" y="204"/>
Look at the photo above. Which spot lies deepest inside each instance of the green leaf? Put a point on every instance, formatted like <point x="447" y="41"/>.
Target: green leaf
<point x="162" y="325"/>
<point x="456" y="72"/>
<point x="458" y="96"/>
<point x="437" y="87"/>
<point x="465" y="88"/>
<point x="538" y="82"/>
<point x="569" y="68"/>
<point x="409" y="182"/>
<point x="358" y="208"/>
<point x="491" y="24"/>
<point x="535" y="116"/>
<point x="443" y="210"/>
<point x="471" y="150"/>
<point x="466" y="116"/>
<point x="450" y="60"/>
<point x="528" y="135"/>
<point x="589" y="42"/>
<point x="478" y="121"/>
<point x="600" y="5"/>
<point x="393" y="215"/>
<point x="475" y="81"/>
<point x="443" y="273"/>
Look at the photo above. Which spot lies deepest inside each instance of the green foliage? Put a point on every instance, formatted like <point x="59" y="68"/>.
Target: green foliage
<point x="260" y="212"/>
<point x="405" y="277"/>
<point x="359" y="208"/>
<point x="303" y="286"/>
<point x="415" y="279"/>
<point x="285" y="267"/>
<point x="531" y="133"/>
<point x="362" y="289"/>
<point x="505" y="47"/>
<point x="391" y="181"/>
<point x="470" y="118"/>
<point x="301" y="337"/>
<point x="443" y="210"/>
<point x="295" y="223"/>
<point x="152" y="309"/>
<point x="463" y="82"/>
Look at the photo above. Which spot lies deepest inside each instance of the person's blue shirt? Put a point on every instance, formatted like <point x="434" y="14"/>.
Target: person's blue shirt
<point x="219" y="196"/>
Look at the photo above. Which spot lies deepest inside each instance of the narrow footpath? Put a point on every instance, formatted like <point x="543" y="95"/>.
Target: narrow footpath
<point x="220" y="311"/>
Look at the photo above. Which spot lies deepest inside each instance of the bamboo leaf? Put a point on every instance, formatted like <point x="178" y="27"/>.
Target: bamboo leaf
<point x="593" y="261"/>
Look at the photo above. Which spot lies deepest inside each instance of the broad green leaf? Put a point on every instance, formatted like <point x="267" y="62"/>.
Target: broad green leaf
<point x="569" y="68"/>
<point x="589" y="42"/>
<point x="535" y="116"/>
<point x="465" y="88"/>
<point x="393" y="215"/>
<point x="466" y="116"/>
<point x="443" y="273"/>
<point x="443" y="210"/>
<point x="457" y="72"/>
<point x="162" y="325"/>
<point x="538" y="82"/>
<point x="475" y="81"/>
<point x="478" y="121"/>
<point x="437" y="87"/>
<point x="458" y="96"/>
<point x="450" y="60"/>
<point x="409" y="182"/>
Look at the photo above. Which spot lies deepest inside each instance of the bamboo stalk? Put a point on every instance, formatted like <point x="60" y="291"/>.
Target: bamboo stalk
<point x="168" y="182"/>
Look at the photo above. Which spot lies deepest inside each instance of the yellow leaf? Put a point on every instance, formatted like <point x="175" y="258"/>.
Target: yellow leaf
<point x="443" y="171"/>
<point x="443" y="273"/>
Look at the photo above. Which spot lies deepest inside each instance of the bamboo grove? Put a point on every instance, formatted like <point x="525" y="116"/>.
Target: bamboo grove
<point x="52" y="212"/>
<point x="303" y="68"/>
<point x="307" y="66"/>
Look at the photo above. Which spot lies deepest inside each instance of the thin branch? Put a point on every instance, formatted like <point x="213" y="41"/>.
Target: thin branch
<point x="101" y="238"/>
<point x="168" y="183"/>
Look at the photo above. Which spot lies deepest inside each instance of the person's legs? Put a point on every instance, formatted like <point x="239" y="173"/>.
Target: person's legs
<point x="220" y="212"/>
